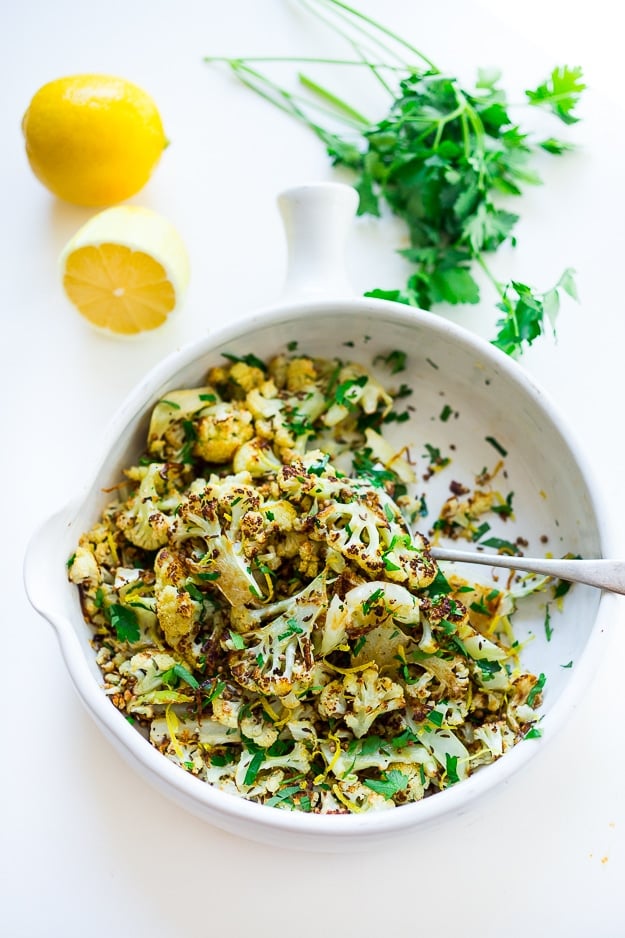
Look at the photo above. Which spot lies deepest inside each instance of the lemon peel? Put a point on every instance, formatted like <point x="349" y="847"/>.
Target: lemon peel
<point x="93" y="139"/>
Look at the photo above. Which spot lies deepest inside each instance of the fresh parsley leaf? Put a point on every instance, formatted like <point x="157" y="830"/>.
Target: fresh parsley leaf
<point x="536" y="689"/>
<point x="560" y="93"/>
<point x="177" y="673"/>
<point x="125" y="622"/>
<point x="389" y="784"/>
<point x="451" y="768"/>
<point x="436" y="160"/>
<point x="496" y="445"/>
<point x="237" y="640"/>
<point x="501" y="546"/>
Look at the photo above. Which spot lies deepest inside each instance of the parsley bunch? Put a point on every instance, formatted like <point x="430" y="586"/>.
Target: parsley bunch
<point x="440" y="160"/>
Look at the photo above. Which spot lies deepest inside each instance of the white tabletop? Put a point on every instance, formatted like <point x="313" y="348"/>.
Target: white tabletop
<point x="87" y="847"/>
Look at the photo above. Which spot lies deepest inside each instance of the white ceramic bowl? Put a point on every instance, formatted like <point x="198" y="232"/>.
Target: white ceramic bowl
<point x="493" y="397"/>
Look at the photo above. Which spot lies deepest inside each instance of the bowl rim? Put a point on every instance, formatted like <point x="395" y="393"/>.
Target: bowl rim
<point x="220" y="806"/>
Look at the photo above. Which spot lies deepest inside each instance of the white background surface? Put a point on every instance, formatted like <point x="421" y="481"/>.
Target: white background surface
<point x="86" y="848"/>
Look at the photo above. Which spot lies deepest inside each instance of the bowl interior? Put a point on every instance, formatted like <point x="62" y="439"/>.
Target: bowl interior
<point x="467" y="402"/>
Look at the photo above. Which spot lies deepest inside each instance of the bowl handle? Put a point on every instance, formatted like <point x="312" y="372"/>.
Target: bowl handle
<point x="41" y="577"/>
<point x="317" y="218"/>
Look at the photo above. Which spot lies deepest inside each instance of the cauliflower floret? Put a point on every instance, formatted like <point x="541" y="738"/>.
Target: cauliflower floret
<point x="256" y="457"/>
<point x="141" y="518"/>
<point x="178" y="614"/>
<point x="166" y="435"/>
<point x="83" y="566"/>
<point x="301" y="374"/>
<point x="220" y="430"/>
<point x="389" y="456"/>
<point x="458" y="519"/>
<point x="278" y="658"/>
<point x="363" y="533"/>
<point x="246" y="376"/>
<point x="296" y="761"/>
<point x="440" y="740"/>
<point x="357" y="797"/>
<point x="356" y="389"/>
<point x="223" y="559"/>
<point x="360" y="698"/>
<point x="365" y="607"/>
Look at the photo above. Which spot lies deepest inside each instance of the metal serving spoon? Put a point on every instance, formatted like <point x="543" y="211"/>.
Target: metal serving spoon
<point x="604" y="574"/>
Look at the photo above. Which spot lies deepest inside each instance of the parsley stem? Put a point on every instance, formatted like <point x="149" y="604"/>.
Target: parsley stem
<point x="358" y="49"/>
<point x="304" y="60"/>
<point x="285" y="100"/>
<point x="505" y="305"/>
<point x="346" y="110"/>
<point x="382" y="29"/>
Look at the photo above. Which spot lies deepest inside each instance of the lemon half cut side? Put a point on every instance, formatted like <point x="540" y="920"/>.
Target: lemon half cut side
<point x="126" y="270"/>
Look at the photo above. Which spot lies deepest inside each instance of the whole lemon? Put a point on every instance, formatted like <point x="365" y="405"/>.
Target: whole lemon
<point x="93" y="139"/>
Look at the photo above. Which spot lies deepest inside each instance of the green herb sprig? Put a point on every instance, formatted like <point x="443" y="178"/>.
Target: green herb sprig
<point x="441" y="160"/>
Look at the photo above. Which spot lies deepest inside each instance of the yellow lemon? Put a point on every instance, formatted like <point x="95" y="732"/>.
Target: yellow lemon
<point x="125" y="270"/>
<point x="93" y="139"/>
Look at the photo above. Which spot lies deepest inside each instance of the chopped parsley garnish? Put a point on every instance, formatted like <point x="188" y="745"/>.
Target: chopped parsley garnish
<point x="177" y="673"/>
<point x="194" y="592"/>
<point x="501" y="546"/>
<point x="488" y="668"/>
<point x="254" y="767"/>
<point x="125" y="622"/>
<point x="536" y="689"/>
<point x="292" y="629"/>
<point x="451" y="768"/>
<point x="496" y="445"/>
<point x="435" y="717"/>
<point x="250" y="359"/>
<point x="396" y="361"/>
<point x="505" y="510"/>
<point x="389" y="784"/>
<point x="435" y="457"/>
<point x="342" y="393"/>
<point x="237" y="640"/>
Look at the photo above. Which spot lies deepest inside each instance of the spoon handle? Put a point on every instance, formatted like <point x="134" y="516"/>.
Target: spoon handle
<point x="604" y="574"/>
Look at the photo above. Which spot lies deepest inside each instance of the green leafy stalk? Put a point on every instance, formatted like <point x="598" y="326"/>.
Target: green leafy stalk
<point x="441" y="160"/>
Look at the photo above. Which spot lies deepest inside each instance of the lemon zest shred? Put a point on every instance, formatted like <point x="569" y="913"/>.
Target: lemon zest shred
<point x="172" y="725"/>
<point x="269" y="583"/>
<point x="113" y="548"/>
<point x="358" y="667"/>
<point x="337" y="752"/>
<point x="271" y="713"/>
<point x="348" y="804"/>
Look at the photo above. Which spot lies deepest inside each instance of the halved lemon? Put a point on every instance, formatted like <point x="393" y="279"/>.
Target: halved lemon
<point x="126" y="270"/>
